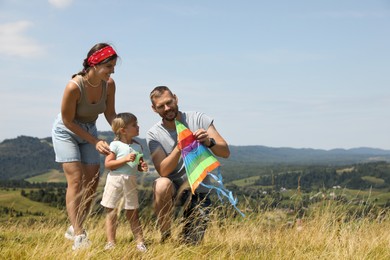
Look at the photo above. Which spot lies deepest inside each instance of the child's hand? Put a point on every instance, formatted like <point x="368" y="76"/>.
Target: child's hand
<point x="144" y="166"/>
<point x="134" y="160"/>
<point x="130" y="157"/>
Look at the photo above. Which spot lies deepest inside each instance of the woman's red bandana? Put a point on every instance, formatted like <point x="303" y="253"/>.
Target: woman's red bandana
<point x="100" y="55"/>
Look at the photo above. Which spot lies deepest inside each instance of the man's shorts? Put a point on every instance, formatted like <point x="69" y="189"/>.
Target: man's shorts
<point x="118" y="187"/>
<point x="69" y="147"/>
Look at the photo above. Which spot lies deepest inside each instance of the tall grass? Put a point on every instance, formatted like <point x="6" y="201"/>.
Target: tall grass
<point x="329" y="231"/>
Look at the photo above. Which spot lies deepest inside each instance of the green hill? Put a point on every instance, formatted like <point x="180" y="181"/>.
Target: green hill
<point x="25" y="157"/>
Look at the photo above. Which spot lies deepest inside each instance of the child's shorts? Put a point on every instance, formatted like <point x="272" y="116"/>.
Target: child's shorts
<point x="69" y="147"/>
<point x="118" y="187"/>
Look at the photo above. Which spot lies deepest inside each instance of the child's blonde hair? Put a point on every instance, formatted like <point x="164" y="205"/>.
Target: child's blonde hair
<point x="121" y="121"/>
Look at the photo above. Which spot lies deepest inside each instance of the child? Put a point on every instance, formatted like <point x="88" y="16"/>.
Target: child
<point x="124" y="161"/>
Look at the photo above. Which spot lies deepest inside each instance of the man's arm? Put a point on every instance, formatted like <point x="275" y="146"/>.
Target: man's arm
<point x="165" y="164"/>
<point x="221" y="148"/>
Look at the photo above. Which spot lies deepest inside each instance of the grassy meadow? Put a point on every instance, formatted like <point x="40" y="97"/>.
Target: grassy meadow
<point x="13" y="199"/>
<point x="326" y="232"/>
<point x="329" y="229"/>
<point x="51" y="176"/>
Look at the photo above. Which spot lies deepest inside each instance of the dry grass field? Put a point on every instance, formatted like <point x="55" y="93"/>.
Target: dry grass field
<point x="327" y="232"/>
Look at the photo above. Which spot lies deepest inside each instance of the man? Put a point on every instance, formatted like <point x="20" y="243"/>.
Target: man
<point x="166" y="157"/>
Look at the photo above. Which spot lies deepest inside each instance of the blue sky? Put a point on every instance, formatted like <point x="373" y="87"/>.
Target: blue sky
<point x="301" y="74"/>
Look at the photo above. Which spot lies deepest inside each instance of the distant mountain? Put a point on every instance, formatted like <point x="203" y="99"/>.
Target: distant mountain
<point x="26" y="156"/>
<point x="363" y="150"/>
<point x="269" y="155"/>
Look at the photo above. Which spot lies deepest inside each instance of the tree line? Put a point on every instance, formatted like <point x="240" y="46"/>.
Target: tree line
<point x="264" y="192"/>
<point x="54" y="197"/>
<point x="316" y="177"/>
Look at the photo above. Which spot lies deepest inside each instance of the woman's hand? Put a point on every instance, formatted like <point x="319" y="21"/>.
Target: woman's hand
<point x="102" y="147"/>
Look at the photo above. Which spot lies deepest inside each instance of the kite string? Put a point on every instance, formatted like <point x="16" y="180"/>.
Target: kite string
<point x="222" y="190"/>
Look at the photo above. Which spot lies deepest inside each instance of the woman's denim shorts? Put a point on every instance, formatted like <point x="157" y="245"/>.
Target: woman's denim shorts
<point x="69" y="147"/>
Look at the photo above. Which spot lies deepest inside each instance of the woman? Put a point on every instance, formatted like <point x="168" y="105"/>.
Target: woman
<point x="76" y="145"/>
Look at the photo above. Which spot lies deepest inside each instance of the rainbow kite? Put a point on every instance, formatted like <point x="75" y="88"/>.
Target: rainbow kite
<point x="200" y="162"/>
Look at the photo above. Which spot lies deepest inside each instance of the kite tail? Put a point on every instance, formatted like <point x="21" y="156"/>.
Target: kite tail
<point x="221" y="190"/>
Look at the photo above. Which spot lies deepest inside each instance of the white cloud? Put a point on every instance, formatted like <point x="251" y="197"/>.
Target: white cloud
<point x="14" y="43"/>
<point x="60" y="3"/>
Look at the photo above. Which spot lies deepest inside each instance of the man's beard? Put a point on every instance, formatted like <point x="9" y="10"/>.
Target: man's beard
<point x="170" y="119"/>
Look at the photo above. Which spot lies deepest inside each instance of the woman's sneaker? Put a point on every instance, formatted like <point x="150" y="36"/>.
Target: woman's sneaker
<point x="81" y="241"/>
<point x="141" y="247"/>
<point x="109" y="246"/>
<point x="69" y="234"/>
